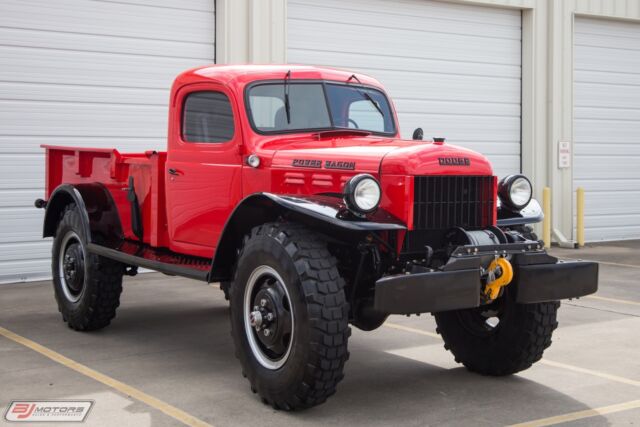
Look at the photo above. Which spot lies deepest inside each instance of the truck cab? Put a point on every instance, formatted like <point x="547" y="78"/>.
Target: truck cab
<point x="291" y="186"/>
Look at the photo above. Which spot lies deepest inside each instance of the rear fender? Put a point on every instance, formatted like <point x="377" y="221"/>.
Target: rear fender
<point x="98" y="212"/>
<point x="326" y="214"/>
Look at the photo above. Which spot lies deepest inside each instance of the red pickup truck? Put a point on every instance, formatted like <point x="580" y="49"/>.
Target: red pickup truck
<point x="291" y="186"/>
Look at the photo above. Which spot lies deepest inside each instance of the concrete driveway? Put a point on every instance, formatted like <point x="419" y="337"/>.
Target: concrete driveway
<point x="168" y="359"/>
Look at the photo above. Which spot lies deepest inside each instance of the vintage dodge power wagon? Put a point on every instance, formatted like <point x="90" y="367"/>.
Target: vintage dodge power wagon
<point x="291" y="187"/>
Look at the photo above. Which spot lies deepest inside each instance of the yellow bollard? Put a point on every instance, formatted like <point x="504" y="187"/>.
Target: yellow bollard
<point x="580" y="216"/>
<point x="546" y="222"/>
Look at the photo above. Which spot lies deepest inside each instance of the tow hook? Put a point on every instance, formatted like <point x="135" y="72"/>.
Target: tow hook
<point x="499" y="274"/>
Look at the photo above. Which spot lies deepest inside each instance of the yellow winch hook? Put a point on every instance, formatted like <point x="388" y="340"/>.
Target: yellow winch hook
<point x="492" y="289"/>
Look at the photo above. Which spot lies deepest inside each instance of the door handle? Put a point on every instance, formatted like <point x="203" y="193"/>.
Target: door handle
<point x="173" y="171"/>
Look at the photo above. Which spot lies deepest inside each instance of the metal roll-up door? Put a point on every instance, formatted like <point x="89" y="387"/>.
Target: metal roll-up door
<point x="83" y="73"/>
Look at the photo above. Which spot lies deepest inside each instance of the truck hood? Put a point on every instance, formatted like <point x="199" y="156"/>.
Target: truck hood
<point x="382" y="156"/>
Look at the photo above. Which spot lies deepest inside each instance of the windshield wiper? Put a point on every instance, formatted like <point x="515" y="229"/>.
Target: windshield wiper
<point x="366" y="94"/>
<point x="287" y="107"/>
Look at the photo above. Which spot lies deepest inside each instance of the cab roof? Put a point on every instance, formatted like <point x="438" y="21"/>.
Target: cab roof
<point x="226" y="74"/>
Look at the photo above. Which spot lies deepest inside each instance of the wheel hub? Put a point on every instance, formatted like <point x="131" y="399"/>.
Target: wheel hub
<point x="71" y="266"/>
<point x="268" y="317"/>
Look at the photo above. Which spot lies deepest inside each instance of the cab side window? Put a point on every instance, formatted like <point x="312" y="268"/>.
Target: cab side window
<point x="207" y="117"/>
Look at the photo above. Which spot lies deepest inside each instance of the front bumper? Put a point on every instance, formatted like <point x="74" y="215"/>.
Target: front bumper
<point x="538" y="277"/>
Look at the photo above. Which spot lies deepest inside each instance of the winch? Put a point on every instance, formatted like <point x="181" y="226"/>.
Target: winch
<point x="499" y="271"/>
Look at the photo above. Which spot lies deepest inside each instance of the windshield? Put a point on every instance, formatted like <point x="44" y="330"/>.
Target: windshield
<point x="318" y="106"/>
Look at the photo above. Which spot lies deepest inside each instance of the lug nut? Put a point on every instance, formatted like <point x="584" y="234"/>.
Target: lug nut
<point x="263" y="302"/>
<point x="269" y="317"/>
<point x="267" y="332"/>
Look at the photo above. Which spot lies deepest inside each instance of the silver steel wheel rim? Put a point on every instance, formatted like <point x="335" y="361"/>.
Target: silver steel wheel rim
<point x="256" y="349"/>
<point x="68" y="238"/>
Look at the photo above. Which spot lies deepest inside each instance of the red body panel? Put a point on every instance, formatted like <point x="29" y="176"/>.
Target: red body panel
<point x="186" y="211"/>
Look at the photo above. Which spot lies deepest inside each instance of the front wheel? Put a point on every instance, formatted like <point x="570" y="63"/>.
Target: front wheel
<point x="289" y="316"/>
<point x="501" y="338"/>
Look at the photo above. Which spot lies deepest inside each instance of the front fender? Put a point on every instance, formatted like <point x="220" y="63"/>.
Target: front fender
<point x="98" y="212"/>
<point x="326" y="214"/>
<point x="530" y="214"/>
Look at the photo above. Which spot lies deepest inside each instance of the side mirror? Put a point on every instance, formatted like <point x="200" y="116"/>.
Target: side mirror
<point x="418" y="134"/>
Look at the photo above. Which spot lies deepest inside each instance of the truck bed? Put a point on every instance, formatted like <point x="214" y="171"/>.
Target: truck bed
<point x="109" y="167"/>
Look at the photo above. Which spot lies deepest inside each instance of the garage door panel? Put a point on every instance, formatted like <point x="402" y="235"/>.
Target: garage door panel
<point x="607" y="42"/>
<point x="22" y="171"/>
<point x="607" y="114"/>
<point x="13" y="251"/>
<point x="452" y="69"/>
<point x="610" y="95"/>
<point x="616" y="32"/>
<point x="617" y="221"/>
<point x="21" y="225"/>
<point x="399" y="64"/>
<point x="19" y="197"/>
<point x="394" y="21"/>
<point x="412" y="9"/>
<point x="98" y="43"/>
<point x="614" y="148"/>
<point x="351" y="39"/>
<point x="195" y="5"/>
<point x="606" y="130"/>
<point x="609" y="185"/>
<point x="30" y="144"/>
<point x="25" y="270"/>
<point x="605" y="166"/>
<point x="612" y="202"/>
<point x="616" y="232"/>
<point x="459" y="127"/>
<point x="90" y="68"/>
<point x="612" y="59"/>
<point x="607" y="80"/>
<point x="607" y="126"/>
<point x="449" y="107"/>
<point x="35" y="92"/>
<point x="452" y="87"/>
<point x="117" y="19"/>
<point x="60" y="119"/>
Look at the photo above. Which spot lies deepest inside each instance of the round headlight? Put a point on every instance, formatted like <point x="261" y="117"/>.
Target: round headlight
<point x="362" y="194"/>
<point x="515" y="191"/>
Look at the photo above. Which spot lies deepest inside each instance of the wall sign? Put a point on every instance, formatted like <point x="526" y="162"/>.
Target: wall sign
<point x="564" y="154"/>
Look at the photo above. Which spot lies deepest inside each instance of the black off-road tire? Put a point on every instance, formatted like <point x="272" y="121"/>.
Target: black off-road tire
<point x="95" y="305"/>
<point x="318" y="350"/>
<point x="517" y="342"/>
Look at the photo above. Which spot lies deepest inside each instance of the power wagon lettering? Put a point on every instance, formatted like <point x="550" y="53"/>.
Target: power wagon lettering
<point x="336" y="164"/>
<point x="306" y="163"/>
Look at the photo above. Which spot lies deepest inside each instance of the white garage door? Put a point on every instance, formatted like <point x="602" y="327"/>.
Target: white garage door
<point x="82" y="72"/>
<point x="452" y="69"/>
<point x="607" y="126"/>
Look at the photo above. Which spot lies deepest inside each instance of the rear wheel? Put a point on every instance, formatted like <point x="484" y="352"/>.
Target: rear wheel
<point x="501" y="338"/>
<point x="87" y="287"/>
<point x="289" y="316"/>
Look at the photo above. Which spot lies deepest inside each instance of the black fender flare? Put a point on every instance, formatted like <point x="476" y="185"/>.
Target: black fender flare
<point x="98" y="211"/>
<point x="530" y="214"/>
<point x="327" y="214"/>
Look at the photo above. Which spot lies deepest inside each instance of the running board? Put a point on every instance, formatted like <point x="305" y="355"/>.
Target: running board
<point x="162" y="260"/>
